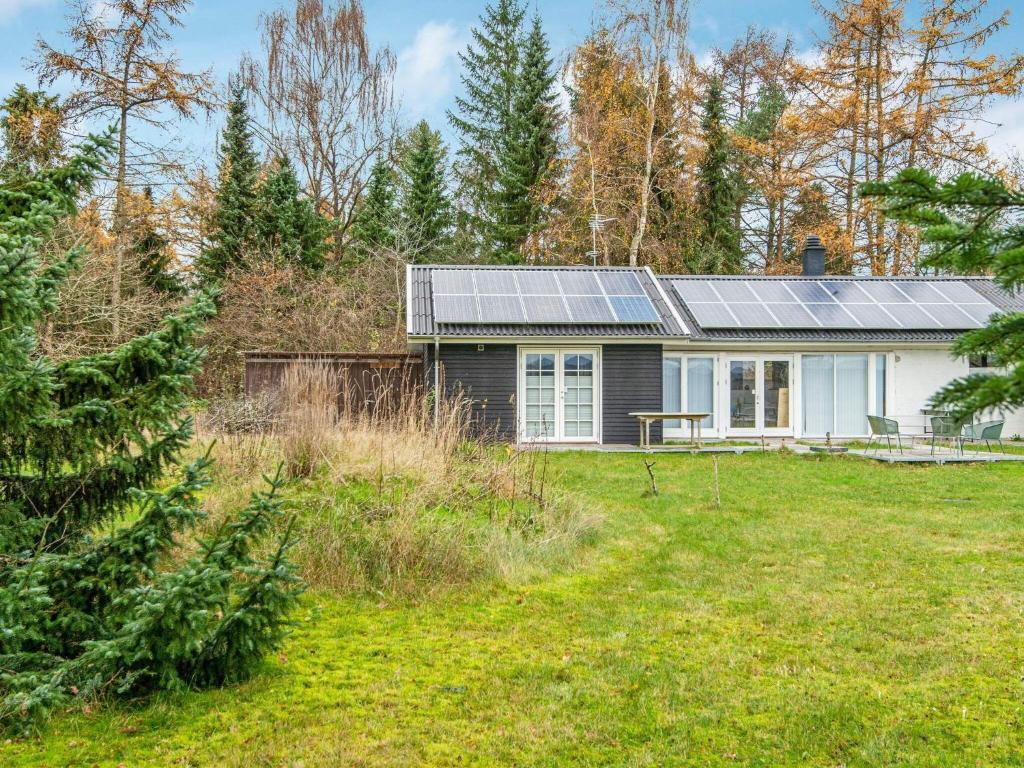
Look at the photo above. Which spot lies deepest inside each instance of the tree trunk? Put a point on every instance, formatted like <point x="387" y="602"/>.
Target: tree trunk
<point x="120" y="228"/>
<point x="645" y="189"/>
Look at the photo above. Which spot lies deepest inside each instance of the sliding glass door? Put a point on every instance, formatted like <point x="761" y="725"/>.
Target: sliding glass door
<point x="558" y="395"/>
<point x="835" y="395"/>
<point x="688" y="385"/>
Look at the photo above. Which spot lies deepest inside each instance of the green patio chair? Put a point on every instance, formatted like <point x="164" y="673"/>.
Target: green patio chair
<point x="948" y="428"/>
<point x="882" y="427"/>
<point x="987" y="431"/>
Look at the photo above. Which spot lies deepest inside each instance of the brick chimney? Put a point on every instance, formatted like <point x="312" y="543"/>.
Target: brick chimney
<point x="813" y="257"/>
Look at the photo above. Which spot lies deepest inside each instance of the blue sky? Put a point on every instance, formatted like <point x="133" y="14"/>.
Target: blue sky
<point x="426" y="34"/>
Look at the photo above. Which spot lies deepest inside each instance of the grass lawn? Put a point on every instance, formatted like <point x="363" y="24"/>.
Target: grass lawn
<point x="833" y="612"/>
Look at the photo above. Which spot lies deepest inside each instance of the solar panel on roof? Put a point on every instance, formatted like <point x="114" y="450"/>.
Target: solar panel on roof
<point x="807" y="291"/>
<point x="496" y="281"/>
<point x="831" y="303"/>
<point x="754" y="315"/>
<point x="694" y="290"/>
<point x="590" y="309"/>
<point x="452" y="281"/>
<point x="769" y="290"/>
<point x="456" y="309"/>
<point x="579" y="284"/>
<point x="501" y="309"/>
<point x="712" y="314"/>
<point x="831" y="315"/>
<point x="734" y="290"/>
<point x="633" y="309"/>
<point x="546" y="309"/>
<point x="620" y="284"/>
<point x="539" y="283"/>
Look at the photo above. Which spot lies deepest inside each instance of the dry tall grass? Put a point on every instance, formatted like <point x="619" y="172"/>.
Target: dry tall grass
<point x="396" y="500"/>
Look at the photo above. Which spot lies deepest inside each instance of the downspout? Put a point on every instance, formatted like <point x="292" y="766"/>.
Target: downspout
<point x="437" y="378"/>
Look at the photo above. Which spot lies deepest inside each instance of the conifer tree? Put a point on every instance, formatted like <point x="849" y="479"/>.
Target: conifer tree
<point x="86" y="606"/>
<point x="287" y="226"/>
<point x="32" y="131"/>
<point x="528" y="150"/>
<point x="969" y="225"/>
<point x="152" y="249"/>
<point x="484" y="118"/>
<point x="235" y="203"/>
<point x="426" y="210"/>
<point x="376" y="221"/>
<point x="716" y="192"/>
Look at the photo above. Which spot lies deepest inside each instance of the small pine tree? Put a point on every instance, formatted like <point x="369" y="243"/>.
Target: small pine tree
<point x="426" y="210"/>
<point x="376" y="222"/>
<point x="153" y="251"/>
<point x="287" y="225"/>
<point x="969" y="225"/>
<point x="716" y="189"/>
<point x="527" y="151"/>
<point x="235" y="203"/>
<point x="95" y="594"/>
<point x="32" y="130"/>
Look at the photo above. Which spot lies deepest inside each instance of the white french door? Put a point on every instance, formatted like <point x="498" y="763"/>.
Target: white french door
<point x="558" y="395"/>
<point x="758" y="395"/>
<point x="688" y="384"/>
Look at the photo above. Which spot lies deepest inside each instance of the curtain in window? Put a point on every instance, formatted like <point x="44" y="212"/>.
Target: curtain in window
<point x="851" y="395"/>
<point x="700" y="388"/>
<point x="671" y="388"/>
<point x="818" y="389"/>
<point x="880" y="385"/>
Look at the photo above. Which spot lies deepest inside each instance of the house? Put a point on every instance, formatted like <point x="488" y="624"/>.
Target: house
<point x="565" y="354"/>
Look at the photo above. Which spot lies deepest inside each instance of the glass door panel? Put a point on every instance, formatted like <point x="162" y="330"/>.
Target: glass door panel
<point x="540" y="390"/>
<point x="743" y="394"/>
<point x="776" y="394"/>
<point x="578" y="385"/>
<point x="700" y="388"/>
<point x="672" y="389"/>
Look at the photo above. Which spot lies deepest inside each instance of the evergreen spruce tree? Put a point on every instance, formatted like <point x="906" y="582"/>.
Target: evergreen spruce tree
<point x="426" y="210"/>
<point x="485" y="120"/>
<point x="32" y="131"/>
<point x="970" y="225"/>
<point x="527" y="151"/>
<point x="235" y="205"/>
<point x="88" y="606"/>
<point x="717" y="190"/>
<point x="287" y="226"/>
<point x="376" y="222"/>
<point x="153" y="251"/>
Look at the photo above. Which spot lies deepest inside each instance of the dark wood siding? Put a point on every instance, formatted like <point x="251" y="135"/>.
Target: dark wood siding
<point x="630" y="381"/>
<point x="487" y="376"/>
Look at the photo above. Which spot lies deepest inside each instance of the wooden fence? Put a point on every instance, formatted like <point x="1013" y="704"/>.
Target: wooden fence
<point x="365" y="383"/>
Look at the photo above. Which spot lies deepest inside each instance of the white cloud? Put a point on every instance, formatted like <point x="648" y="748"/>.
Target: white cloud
<point x="1002" y="127"/>
<point x="426" y="69"/>
<point x="11" y="8"/>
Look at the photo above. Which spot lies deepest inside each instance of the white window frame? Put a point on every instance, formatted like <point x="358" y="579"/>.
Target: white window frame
<point x="872" y="390"/>
<point x="759" y="429"/>
<point x="682" y="432"/>
<point x="558" y="435"/>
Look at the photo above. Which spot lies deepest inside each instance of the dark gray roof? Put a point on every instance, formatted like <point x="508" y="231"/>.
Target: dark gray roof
<point x="983" y="285"/>
<point x="420" y="321"/>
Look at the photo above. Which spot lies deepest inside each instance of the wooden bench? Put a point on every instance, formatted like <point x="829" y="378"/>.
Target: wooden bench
<point x="646" y="417"/>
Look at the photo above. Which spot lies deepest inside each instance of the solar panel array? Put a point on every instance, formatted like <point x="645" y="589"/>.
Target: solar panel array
<point x="847" y="304"/>
<point x="534" y="297"/>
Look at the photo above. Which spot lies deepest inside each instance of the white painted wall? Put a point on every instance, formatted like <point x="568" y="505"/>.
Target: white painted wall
<point x="917" y="375"/>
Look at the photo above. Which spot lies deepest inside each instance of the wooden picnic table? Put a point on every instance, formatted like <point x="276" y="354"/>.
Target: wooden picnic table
<point x="646" y="417"/>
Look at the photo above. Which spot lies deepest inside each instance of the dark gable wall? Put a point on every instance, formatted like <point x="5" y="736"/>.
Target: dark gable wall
<point x="488" y="377"/>
<point x="630" y="381"/>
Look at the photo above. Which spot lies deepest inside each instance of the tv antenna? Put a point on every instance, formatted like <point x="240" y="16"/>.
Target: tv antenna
<point x="597" y="223"/>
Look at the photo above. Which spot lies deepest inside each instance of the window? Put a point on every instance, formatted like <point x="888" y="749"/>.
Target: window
<point x="688" y="384"/>
<point x="981" y="361"/>
<point x="835" y="395"/>
<point x="880" y="384"/>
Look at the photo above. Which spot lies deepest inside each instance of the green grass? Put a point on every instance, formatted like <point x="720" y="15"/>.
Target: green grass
<point x="832" y="612"/>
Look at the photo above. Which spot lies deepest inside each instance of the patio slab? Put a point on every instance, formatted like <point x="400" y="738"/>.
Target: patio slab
<point x="924" y="456"/>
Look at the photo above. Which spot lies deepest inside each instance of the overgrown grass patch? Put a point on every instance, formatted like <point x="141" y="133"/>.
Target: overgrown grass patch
<point x="831" y="612"/>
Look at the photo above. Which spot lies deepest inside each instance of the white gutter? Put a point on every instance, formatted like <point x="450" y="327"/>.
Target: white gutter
<point x="668" y="303"/>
